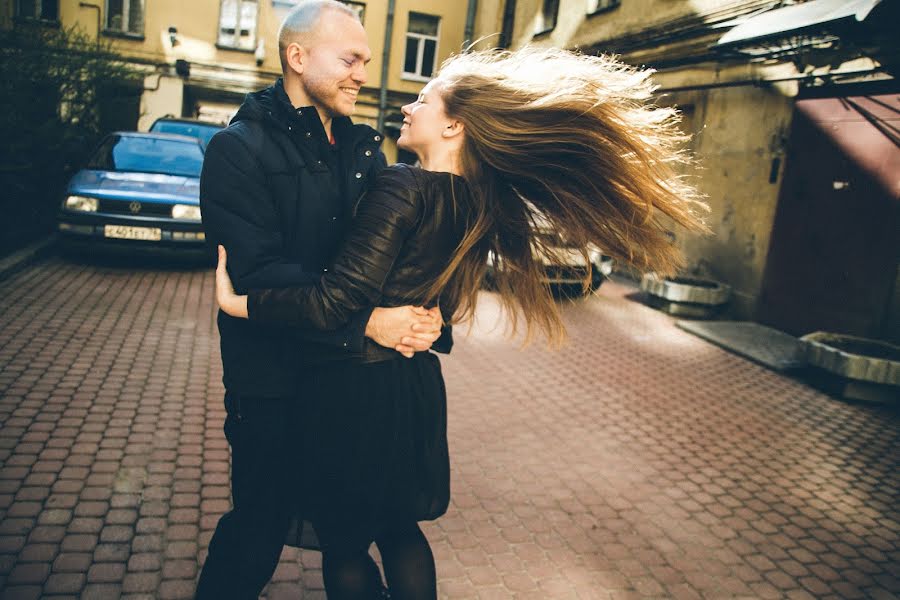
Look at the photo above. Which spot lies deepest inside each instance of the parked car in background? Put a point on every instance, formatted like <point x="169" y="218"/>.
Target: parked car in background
<point x="565" y="267"/>
<point x="202" y="130"/>
<point x="138" y="190"/>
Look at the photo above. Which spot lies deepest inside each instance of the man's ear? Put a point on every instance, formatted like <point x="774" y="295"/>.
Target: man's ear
<point x="453" y="129"/>
<point x="296" y="57"/>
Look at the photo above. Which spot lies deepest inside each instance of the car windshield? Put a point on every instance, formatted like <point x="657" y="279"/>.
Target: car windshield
<point x="197" y="130"/>
<point x="148" y="155"/>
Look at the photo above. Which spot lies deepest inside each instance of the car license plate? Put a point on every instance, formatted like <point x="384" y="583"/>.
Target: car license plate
<point x="124" y="232"/>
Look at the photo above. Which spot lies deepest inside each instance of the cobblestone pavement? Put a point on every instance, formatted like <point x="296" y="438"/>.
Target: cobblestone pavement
<point x="636" y="462"/>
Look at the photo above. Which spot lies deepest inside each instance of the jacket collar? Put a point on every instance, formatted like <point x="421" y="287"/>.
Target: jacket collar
<point x="273" y="106"/>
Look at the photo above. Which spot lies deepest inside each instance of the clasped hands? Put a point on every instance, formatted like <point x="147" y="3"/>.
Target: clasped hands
<point x="406" y="329"/>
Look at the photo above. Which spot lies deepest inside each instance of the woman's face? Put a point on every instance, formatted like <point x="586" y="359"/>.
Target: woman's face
<point x="424" y="121"/>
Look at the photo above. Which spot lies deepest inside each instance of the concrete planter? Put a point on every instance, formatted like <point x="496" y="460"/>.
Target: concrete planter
<point x="863" y="369"/>
<point x="854" y="357"/>
<point x="686" y="296"/>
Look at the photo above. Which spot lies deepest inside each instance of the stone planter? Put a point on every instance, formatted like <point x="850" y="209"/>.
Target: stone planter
<point x="686" y="296"/>
<point x="861" y="368"/>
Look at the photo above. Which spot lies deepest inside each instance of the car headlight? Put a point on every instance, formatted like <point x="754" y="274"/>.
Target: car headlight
<point x="186" y="211"/>
<point x="82" y="203"/>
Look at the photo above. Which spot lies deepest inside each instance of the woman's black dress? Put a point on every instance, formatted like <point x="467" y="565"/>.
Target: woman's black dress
<point x="373" y="437"/>
<point x="375" y="449"/>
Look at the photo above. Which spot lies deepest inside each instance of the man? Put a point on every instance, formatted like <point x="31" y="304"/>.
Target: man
<point x="278" y="190"/>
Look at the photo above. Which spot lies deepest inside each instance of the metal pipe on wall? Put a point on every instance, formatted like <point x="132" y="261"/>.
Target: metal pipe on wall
<point x="470" y="25"/>
<point x="99" y="13"/>
<point x="385" y="64"/>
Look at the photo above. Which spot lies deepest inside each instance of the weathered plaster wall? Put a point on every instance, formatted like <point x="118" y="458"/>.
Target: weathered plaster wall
<point x="738" y="131"/>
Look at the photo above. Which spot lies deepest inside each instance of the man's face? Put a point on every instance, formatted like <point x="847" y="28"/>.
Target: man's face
<point x="334" y="68"/>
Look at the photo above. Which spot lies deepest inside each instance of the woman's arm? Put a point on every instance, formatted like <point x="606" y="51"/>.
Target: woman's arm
<point x="386" y="216"/>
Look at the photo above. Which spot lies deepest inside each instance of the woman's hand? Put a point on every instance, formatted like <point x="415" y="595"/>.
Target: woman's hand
<point x="228" y="301"/>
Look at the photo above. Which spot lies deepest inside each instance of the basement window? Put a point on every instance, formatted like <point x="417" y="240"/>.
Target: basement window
<point x="40" y="10"/>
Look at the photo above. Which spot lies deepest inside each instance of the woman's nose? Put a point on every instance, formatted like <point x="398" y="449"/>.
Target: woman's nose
<point x="405" y="109"/>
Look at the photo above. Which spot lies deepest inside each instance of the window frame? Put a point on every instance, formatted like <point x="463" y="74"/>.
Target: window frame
<point x="421" y="37"/>
<point x="598" y="7"/>
<point x="542" y="27"/>
<point x="287" y="5"/>
<point x="126" y="10"/>
<point x="359" y="7"/>
<point x="237" y="36"/>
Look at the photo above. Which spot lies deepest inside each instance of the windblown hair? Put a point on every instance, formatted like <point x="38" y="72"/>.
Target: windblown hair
<point x="302" y="20"/>
<point x="568" y="144"/>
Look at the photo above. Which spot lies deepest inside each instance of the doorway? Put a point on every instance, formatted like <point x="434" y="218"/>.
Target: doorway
<point x="833" y="258"/>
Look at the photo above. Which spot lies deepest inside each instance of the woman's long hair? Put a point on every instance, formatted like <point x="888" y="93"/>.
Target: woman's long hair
<point x="566" y="143"/>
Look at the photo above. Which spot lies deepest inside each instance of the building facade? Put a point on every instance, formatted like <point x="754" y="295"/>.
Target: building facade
<point x="201" y="57"/>
<point x="750" y="76"/>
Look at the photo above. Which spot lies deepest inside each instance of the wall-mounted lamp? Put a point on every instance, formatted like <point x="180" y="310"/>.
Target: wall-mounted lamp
<point x="173" y="36"/>
<point x="182" y="68"/>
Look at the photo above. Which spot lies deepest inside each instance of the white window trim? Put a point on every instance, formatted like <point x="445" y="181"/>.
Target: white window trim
<point x="235" y="45"/>
<point x="126" y="18"/>
<point x="541" y="25"/>
<point x="594" y="6"/>
<point x="417" y="76"/>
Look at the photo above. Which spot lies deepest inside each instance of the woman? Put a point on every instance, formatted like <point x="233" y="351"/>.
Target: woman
<point x="504" y="140"/>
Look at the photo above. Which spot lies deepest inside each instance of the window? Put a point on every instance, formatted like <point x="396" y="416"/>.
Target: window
<point x="598" y="6"/>
<point x="549" y="12"/>
<point x="359" y="7"/>
<point x="125" y="16"/>
<point x="237" y="24"/>
<point x="421" y="46"/>
<point x="283" y="7"/>
<point x="45" y="10"/>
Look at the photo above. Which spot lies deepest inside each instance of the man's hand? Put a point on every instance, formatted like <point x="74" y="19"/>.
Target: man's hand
<point x="406" y="329"/>
<point x="230" y="302"/>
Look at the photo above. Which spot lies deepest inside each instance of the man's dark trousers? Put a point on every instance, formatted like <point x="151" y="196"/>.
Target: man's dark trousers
<point x="248" y="540"/>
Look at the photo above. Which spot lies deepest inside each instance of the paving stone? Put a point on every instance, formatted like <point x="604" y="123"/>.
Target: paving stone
<point x="72" y="562"/>
<point x="22" y="592"/>
<point x="636" y="461"/>
<point x="111" y="572"/>
<point x="64" y="583"/>
<point x="101" y="591"/>
<point x="28" y="573"/>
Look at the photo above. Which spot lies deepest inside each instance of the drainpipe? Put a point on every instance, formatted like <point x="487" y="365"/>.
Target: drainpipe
<point x="385" y="62"/>
<point x="96" y="8"/>
<point x="506" y="30"/>
<point x="470" y="25"/>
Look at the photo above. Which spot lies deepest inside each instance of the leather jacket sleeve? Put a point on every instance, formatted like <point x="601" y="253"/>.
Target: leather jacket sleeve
<point x="238" y="212"/>
<point x="385" y="217"/>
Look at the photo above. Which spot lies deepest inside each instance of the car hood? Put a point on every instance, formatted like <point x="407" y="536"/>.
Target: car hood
<point x="145" y="187"/>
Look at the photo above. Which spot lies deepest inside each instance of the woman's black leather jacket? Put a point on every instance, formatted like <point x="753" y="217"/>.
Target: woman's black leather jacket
<point x="405" y="230"/>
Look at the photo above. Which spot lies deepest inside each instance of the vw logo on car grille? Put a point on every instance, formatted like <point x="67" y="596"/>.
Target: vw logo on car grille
<point x="135" y="207"/>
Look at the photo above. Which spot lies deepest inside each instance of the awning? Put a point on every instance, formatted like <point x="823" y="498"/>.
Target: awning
<point x="794" y="19"/>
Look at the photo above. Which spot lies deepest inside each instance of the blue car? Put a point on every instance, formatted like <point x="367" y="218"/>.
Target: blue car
<point x="201" y="130"/>
<point x="137" y="190"/>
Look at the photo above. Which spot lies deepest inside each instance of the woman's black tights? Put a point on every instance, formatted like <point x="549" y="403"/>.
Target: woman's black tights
<point x="408" y="568"/>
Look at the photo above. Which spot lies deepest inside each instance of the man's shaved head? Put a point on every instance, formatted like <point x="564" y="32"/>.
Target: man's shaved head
<point x="300" y="24"/>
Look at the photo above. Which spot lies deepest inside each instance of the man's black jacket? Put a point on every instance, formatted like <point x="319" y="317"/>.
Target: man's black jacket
<point x="279" y="197"/>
